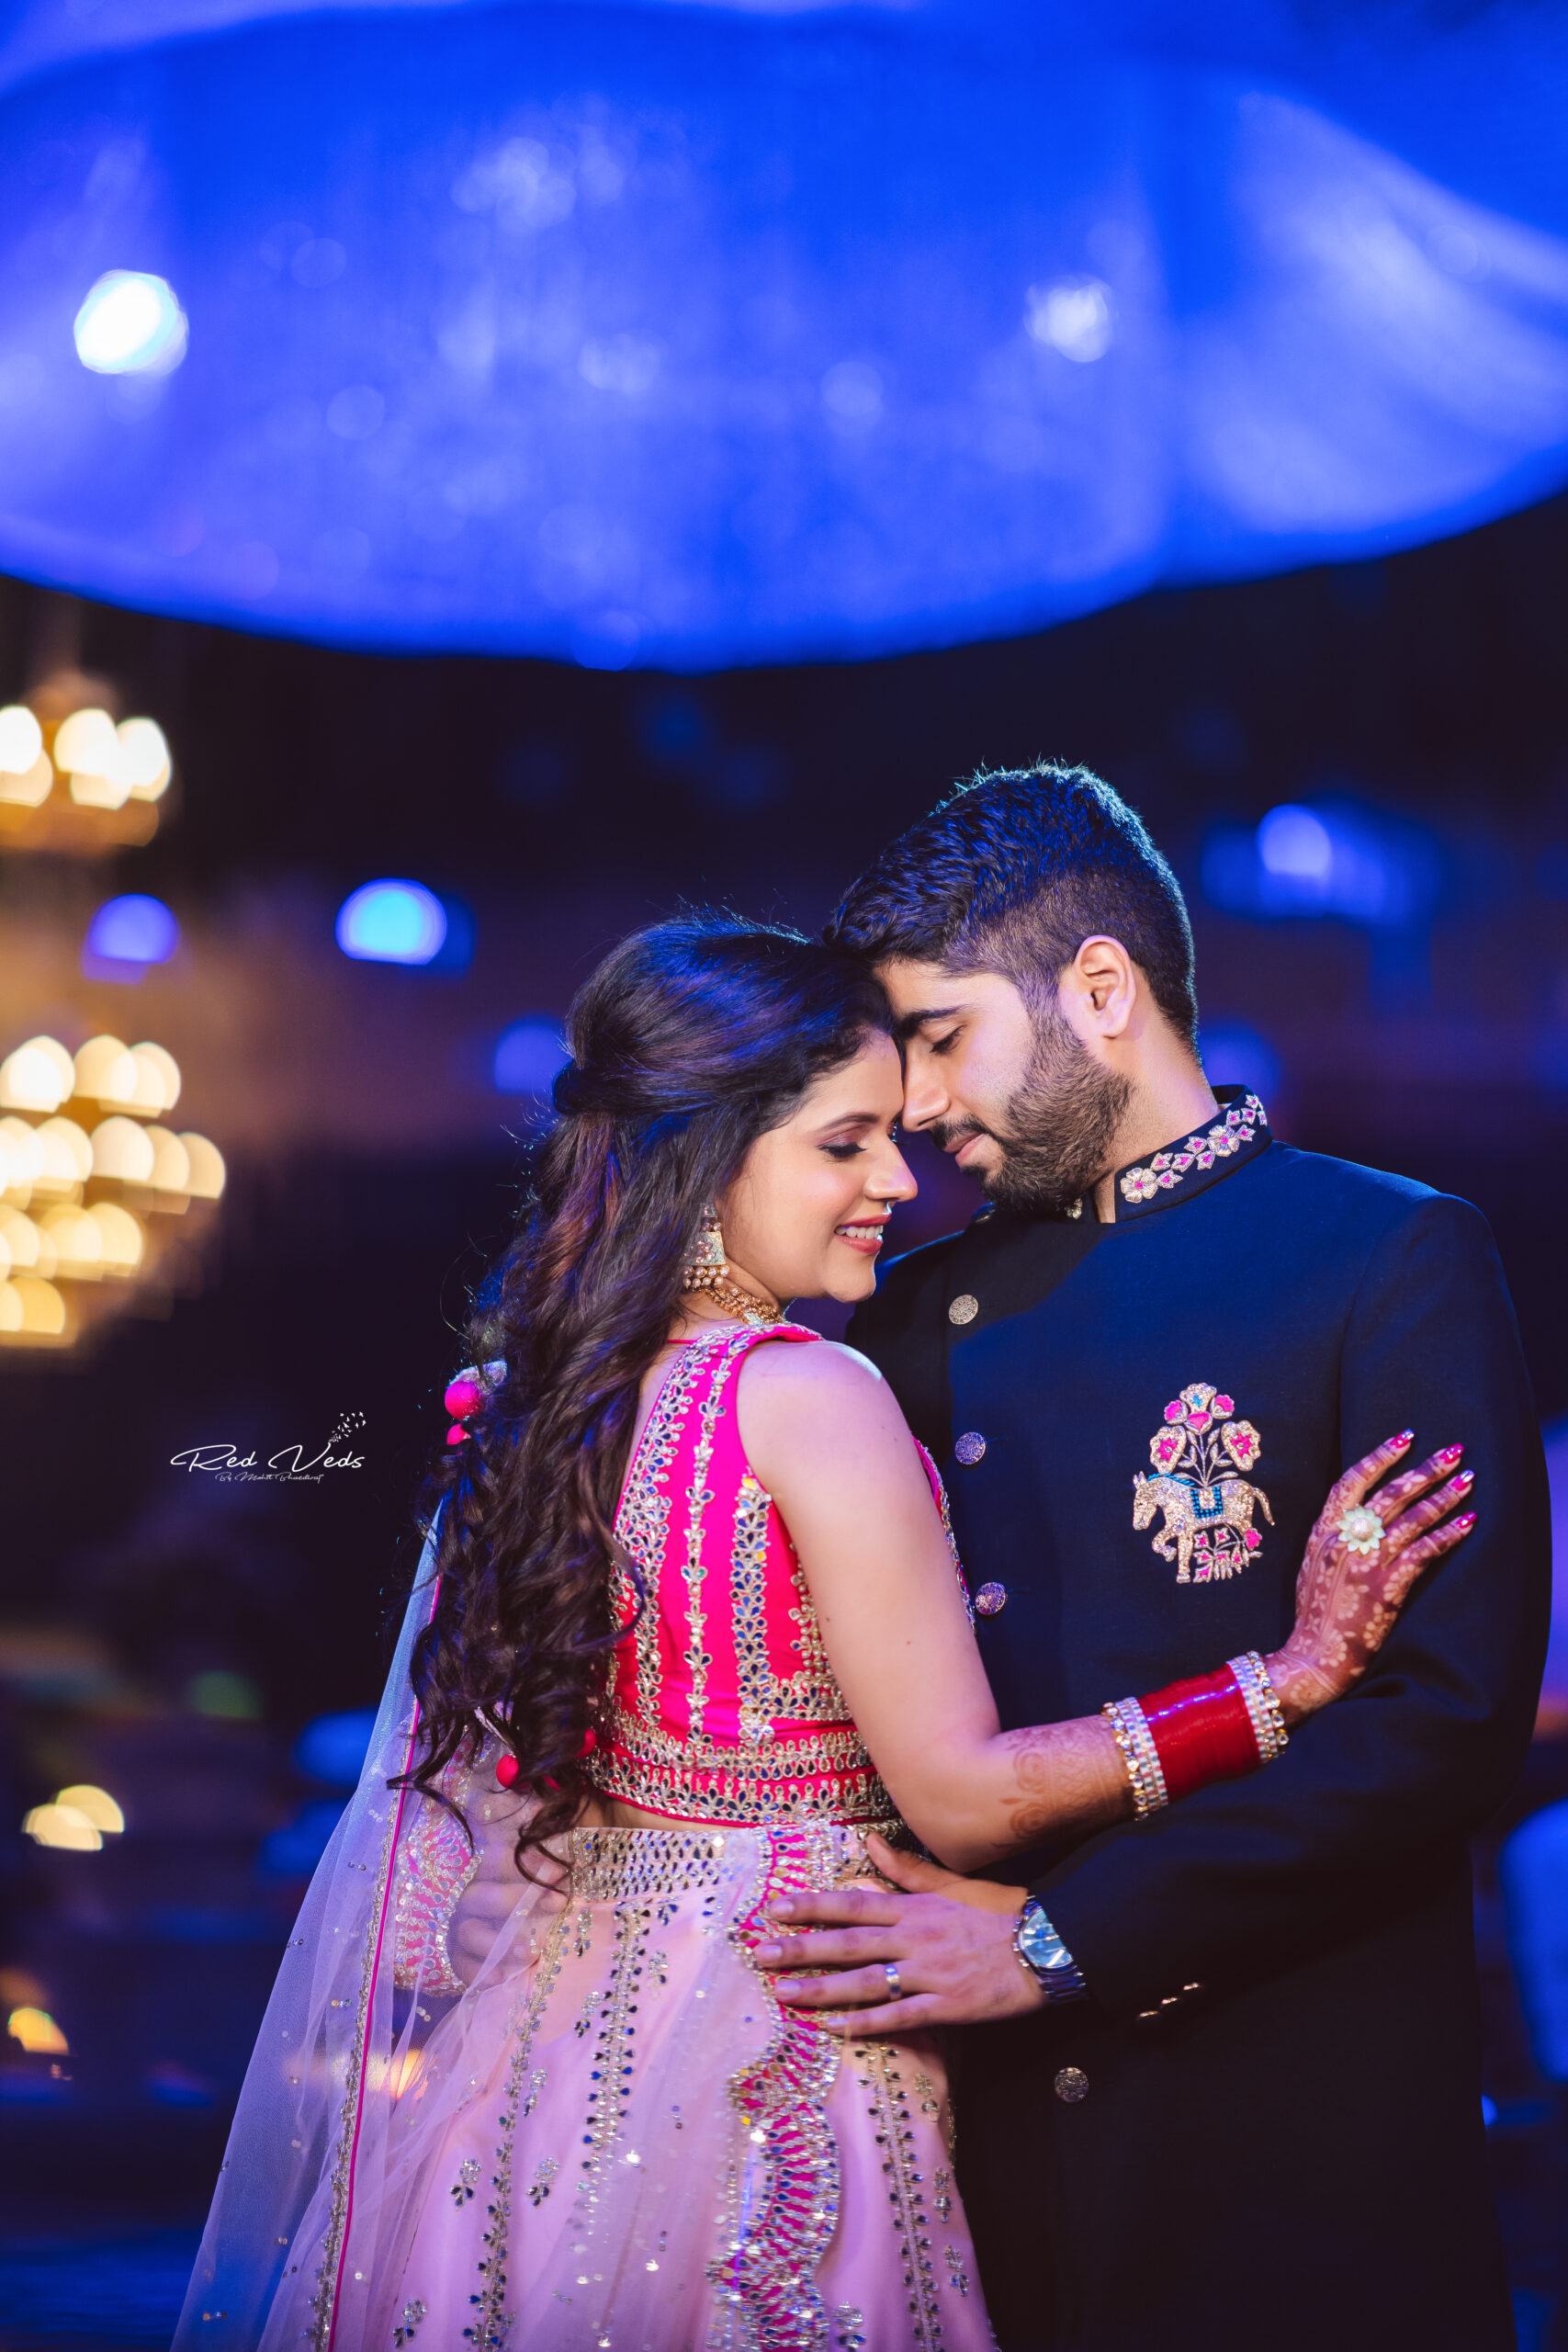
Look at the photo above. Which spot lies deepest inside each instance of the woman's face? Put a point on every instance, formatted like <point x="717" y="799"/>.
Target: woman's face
<point x="804" y="1217"/>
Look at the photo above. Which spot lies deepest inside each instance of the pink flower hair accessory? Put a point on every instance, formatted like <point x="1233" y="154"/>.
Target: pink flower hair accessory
<point x="466" y="1391"/>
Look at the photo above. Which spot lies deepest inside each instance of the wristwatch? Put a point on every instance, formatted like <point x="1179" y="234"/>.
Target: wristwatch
<point x="1041" y="1949"/>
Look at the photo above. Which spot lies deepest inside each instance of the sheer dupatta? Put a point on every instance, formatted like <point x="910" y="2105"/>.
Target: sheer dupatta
<point x="358" y="2065"/>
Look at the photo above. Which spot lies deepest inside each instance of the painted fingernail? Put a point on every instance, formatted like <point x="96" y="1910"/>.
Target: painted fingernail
<point x="1464" y="1483"/>
<point x="1463" y="1526"/>
<point x="1405" y="1438"/>
<point x="1451" y="1453"/>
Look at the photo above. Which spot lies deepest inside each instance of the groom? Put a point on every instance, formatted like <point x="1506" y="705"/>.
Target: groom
<point x="1242" y="2109"/>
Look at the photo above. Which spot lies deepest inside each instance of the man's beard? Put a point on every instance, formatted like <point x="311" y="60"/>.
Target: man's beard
<point x="1058" y="1134"/>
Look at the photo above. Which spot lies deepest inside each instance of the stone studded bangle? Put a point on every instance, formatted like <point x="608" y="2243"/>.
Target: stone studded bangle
<point x="1262" y="1705"/>
<point x="1131" y="1732"/>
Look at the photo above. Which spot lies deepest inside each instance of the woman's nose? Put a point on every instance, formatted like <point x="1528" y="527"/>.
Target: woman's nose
<point x="892" y="1180"/>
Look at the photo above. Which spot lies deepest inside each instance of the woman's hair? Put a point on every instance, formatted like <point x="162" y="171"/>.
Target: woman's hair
<point x="690" y="1040"/>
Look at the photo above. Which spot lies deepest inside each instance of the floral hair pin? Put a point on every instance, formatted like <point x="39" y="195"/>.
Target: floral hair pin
<point x="465" y="1392"/>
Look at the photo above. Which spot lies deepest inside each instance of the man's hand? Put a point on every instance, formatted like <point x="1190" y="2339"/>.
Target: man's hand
<point x="950" y="1937"/>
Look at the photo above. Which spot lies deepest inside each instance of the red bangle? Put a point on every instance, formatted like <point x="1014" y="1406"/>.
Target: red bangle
<point x="1202" y="1731"/>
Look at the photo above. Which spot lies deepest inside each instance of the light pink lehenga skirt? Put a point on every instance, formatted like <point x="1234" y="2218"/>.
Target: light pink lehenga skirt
<point x="624" y="2141"/>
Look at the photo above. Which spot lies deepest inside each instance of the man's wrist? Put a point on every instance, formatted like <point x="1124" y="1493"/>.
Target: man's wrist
<point x="1040" y="1952"/>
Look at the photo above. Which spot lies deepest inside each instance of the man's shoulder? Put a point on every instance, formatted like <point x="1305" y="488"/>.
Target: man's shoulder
<point x="1346" y="1192"/>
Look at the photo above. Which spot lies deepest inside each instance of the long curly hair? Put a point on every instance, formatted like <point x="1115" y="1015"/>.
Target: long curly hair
<point x="690" y="1040"/>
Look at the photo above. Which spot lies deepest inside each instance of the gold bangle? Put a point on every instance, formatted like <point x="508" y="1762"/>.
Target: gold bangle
<point x="1130" y="1730"/>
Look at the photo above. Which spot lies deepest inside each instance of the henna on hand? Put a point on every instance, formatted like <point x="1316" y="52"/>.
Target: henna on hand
<point x="1365" y="1551"/>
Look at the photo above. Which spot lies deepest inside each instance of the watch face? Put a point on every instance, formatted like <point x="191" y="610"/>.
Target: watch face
<point x="1037" y="1940"/>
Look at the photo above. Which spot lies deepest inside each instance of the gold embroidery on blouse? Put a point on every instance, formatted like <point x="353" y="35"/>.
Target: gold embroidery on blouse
<point x="811" y="1693"/>
<point x="699" y="1496"/>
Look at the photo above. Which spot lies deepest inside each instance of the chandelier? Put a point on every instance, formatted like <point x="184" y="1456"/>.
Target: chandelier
<point x="104" y="1205"/>
<point x="72" y="780"/>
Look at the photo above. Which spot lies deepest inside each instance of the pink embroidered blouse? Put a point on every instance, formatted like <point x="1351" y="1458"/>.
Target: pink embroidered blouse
<point x="722" y="1706"/>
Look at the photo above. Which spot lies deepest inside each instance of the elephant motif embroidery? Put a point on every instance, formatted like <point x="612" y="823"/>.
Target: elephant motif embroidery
<point x="1198" y="1457"/>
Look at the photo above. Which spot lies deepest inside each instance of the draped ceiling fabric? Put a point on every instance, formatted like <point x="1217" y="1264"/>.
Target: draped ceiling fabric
<point x="696" y="335"/>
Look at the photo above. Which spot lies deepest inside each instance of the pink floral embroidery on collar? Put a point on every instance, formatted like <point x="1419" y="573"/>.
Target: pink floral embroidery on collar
<point x="1167" y="1169"/>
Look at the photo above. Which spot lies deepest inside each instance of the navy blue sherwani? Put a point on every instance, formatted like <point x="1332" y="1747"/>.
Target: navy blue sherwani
<point x="1263" y="2127"/>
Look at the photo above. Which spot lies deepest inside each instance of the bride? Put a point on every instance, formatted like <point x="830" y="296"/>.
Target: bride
<point x="688" y="1635"/>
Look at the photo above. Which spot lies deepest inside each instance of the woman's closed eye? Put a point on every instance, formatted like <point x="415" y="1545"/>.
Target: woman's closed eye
<point x="843" y="1150"/>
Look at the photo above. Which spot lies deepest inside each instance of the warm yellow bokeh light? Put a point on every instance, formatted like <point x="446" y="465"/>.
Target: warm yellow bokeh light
<point x="23" y="1162"/>
<point x="43" y="1309"/>
<point x="96" y="1803"/>
<point x="21" y="738"/>
<point x="86" y="743"/>
<point x="105" y="1071"/>
<point x="159" y="1059"/>
<point x="32" y="787"/>
<point x="121" y="1148"/>
<point x="78" y="1241"/>
<point x="171" y="1161"/>
<point x="90" y="790"/>
<point x="207" y="1173"/>
<point x="61" y="1826"/>
<point x="38" y="2033"/>
<point x="65" y="1147"/>
<point x="142" y="758"/>
<point x="30" y="1079"/>
<point x="121" y="1239"/>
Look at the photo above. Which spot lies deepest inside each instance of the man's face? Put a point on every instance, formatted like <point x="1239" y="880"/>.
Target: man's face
<point x="1018" y="1098"/>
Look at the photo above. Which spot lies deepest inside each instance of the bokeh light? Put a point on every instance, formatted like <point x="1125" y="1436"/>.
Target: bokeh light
<point x="130" y="324"/>
<point x="101" y="1808"/>
<point x="63" y="1827"/>
<point x="391" y="922"/>
<point x="37" y="2033"/>
<point x="528" y="1055"/>
<point x="132" y="930"/>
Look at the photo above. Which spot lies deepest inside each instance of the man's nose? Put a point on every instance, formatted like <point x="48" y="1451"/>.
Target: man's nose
<point x="926" y="1099"/>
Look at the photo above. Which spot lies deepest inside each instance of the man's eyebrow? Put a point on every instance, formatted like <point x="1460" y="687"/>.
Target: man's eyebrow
<point x="913" y="1020"/>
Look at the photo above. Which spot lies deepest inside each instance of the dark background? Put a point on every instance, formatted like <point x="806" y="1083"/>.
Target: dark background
<point x="561" y="804"/>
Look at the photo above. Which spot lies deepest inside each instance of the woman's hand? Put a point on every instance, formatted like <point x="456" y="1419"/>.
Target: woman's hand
<point x="1365" y="1551"/>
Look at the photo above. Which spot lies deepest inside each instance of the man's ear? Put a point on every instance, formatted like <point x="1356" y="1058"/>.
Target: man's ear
<point x="1100" y="988"/>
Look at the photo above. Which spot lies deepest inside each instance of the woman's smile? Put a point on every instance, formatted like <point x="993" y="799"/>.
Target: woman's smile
<point x="864" y="1234"/>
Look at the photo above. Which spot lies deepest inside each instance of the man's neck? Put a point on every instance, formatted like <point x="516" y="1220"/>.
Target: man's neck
<point x="1169" y="1103"/>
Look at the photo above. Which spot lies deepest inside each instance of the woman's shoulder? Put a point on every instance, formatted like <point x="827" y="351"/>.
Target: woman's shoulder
<point x="794" y="1391"/>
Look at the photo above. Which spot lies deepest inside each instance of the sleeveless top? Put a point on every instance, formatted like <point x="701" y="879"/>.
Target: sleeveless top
<point x="722" y="1706"/>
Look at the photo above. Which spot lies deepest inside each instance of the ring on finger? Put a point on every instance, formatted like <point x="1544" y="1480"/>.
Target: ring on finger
<point x="1360" y="1530"/>
<point x="895" y="1989"/>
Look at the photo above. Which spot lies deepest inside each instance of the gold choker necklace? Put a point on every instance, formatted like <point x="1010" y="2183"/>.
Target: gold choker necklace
<point x="744" y="1304"/>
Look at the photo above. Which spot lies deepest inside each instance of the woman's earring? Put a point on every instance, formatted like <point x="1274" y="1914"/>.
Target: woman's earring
<point x="707" y="1268"/>
<point x="707" y="1261"/>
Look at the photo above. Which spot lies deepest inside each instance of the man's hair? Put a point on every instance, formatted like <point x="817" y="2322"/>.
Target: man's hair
<point x="1011" y="873"/>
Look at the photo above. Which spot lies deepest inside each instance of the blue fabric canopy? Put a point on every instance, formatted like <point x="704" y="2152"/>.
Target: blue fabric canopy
<point x="696" y="335"/>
